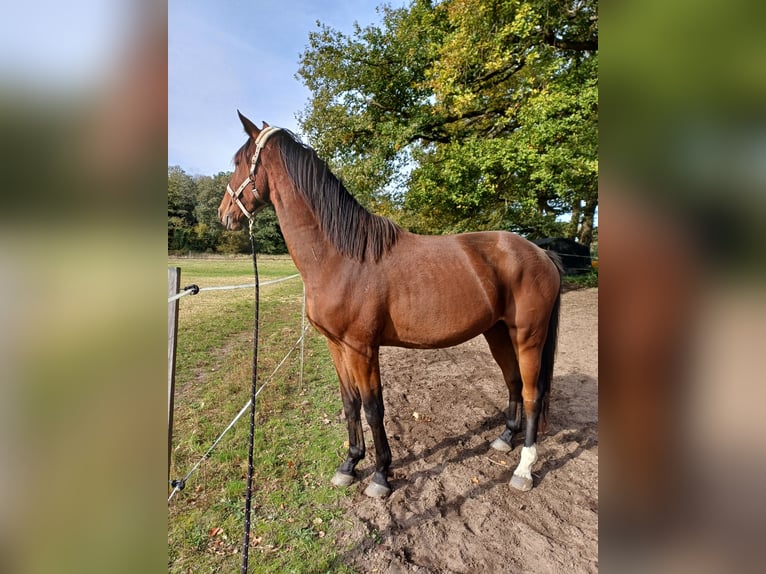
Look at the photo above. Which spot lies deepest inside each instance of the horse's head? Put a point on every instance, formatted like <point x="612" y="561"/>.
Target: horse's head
<point x="248" y="190"/>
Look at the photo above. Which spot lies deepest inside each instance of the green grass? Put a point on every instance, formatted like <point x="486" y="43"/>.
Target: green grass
<point x="296" y="512"/>
<point x="240" y="267"/>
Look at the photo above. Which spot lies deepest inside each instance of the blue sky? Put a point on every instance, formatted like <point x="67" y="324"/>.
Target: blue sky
<point x="234" y="54"/>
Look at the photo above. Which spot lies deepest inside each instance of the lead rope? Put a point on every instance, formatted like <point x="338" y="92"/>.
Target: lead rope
<point x="249" y="486"/>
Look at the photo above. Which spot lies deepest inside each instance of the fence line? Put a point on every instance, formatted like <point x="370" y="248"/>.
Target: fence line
<point x="174" y="274"/>
<point x="193" y="289"/>
<point x="174" y="283"/>
<point x="179" y="484"/>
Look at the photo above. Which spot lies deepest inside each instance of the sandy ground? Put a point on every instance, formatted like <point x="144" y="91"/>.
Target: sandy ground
<point x="452" y="509"/>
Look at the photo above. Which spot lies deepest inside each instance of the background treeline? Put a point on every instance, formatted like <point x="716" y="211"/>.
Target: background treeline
<point x="447" y="116"/>
<point x="193" y="223"/>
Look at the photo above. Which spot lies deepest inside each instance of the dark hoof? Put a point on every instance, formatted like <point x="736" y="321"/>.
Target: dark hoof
<point x="500" y="445"/>
<point x="521" y="483"/>
<point x="375" y="490"/>
<point x="342" y="479"/>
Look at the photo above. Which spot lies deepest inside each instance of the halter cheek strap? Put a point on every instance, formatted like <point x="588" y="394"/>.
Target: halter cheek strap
<point x="260" y="142"/>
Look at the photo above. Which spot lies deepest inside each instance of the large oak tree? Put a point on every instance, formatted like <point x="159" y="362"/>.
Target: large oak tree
<point x="463" y="114"/>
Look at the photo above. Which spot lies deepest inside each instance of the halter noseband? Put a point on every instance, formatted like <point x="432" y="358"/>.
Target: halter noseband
<point x="260" y="141"/>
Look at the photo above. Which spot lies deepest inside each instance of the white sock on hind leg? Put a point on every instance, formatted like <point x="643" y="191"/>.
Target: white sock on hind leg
<point x="528" y="458"/>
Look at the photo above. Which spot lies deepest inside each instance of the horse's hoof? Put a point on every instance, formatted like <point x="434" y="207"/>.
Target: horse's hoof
<point x="521" y="483"/>
<point x="375" y="490"/>
<point x="342" y="479"/>
<point x="500" y="445"/>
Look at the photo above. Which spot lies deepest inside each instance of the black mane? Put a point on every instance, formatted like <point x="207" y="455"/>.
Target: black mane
<point x="353" y="230"/>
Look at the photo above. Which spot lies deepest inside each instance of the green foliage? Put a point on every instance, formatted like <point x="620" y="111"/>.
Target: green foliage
<point x="232" y="242"/>
<point x="481" y="114"/>
<point x="193" y="218"/>
<point x="181" y="195"/>
<point x="267" y="233"/>
<point x="582" y="281"/>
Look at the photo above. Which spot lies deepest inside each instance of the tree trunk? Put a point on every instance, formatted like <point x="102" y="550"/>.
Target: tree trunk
<point x="574" y="223"/>
<point x="586" y="231"/>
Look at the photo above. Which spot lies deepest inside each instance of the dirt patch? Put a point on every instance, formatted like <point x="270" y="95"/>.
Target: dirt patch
<point x="452" y="509"/>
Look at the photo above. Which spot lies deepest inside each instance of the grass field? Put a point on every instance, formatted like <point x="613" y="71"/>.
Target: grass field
<point x="299" y="435"/>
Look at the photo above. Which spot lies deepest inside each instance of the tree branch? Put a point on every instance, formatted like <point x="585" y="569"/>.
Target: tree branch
<point x="441" y="138"/>
<point x="591" y="44"/>
<point x="504" y="73"/>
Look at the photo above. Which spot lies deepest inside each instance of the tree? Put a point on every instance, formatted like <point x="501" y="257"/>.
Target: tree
<point x="268" y="234"/>
<point x="181" y="194"/>
<point x="484" y="112"/>
<point x="193" y="223"/>
<point x="181" y="200"/>
<point x="210" y="190"/>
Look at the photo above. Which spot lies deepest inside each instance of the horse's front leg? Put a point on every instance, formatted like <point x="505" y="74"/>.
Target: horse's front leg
<point x="352" y="408"/>
<point x="361" y="369"/>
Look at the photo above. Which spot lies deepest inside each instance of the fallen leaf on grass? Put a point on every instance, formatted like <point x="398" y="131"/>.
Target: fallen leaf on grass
<point x="215" y="531"/>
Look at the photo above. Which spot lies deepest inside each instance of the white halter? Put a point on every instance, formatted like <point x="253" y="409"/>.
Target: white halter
<point x="260" y="141"/>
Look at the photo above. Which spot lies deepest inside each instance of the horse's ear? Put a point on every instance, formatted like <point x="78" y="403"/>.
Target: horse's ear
<point x="249" y="126"/>
<point x="265" y="125"/>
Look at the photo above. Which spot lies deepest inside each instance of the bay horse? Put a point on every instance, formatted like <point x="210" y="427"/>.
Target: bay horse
<point x="370" y="283"/>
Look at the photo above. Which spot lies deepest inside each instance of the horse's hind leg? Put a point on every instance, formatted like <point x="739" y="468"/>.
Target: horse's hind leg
<point x="500" y="345"/>
<point x="529" y="366"/>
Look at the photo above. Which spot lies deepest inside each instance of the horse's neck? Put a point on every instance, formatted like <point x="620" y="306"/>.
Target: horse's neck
<point x="309" y="248"/>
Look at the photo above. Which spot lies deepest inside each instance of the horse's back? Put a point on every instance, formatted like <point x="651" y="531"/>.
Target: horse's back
<point x="443" y="290"/>
<point x="505" y="258"/>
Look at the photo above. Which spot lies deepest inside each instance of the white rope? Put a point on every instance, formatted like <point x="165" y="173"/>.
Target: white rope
<point x="241" y="412"/>
<point x="249" y="285"/>
<point x="178" y="295"/>
<point x="229" y="287"/>
<point x="204" y="456"/>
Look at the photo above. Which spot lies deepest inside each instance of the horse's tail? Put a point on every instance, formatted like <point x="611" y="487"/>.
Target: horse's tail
<point x="549" y="349"/>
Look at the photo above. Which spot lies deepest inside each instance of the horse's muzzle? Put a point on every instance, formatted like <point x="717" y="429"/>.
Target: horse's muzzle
<point x="229" y="221"/>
